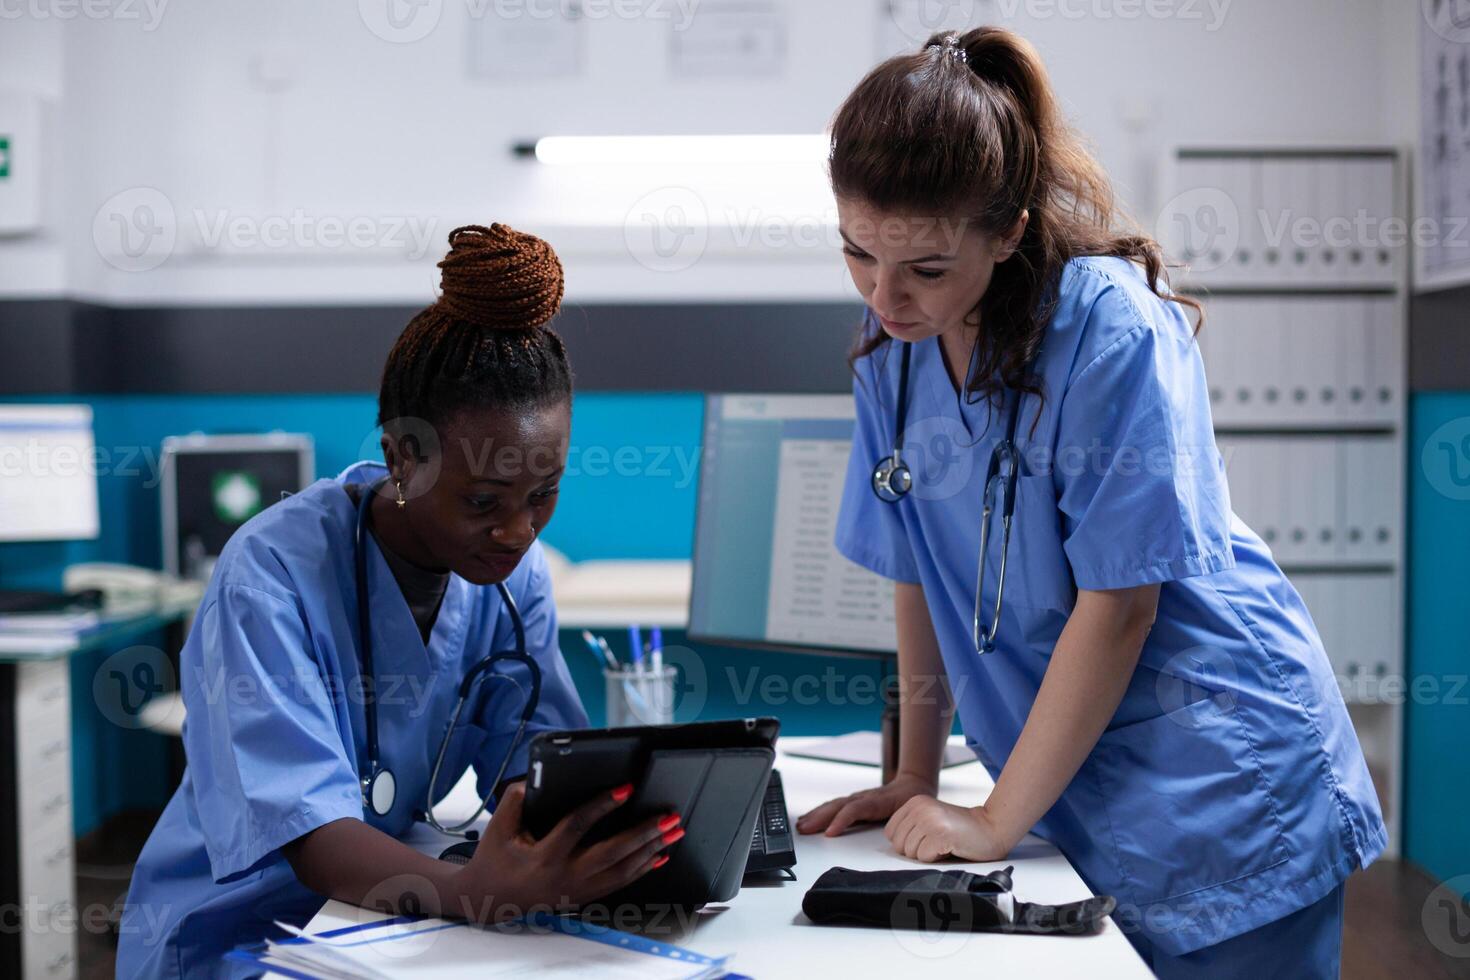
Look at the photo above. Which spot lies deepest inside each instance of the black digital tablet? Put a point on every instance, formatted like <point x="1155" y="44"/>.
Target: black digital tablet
<point x="713" y="774"/>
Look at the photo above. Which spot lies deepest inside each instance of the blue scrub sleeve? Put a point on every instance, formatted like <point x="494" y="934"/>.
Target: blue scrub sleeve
<point x="1141" y="485"/>
<point x="262" y="737"/>
<point x="560" y="707"/>
<point x="870" y="532"/>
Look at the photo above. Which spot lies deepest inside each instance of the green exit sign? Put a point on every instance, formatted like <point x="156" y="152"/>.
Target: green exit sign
<point x="4" y="157"/>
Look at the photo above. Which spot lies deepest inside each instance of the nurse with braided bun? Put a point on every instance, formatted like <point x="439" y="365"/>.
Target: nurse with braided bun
<point x="435" y="551"/>
<point x="1125" y="656"/>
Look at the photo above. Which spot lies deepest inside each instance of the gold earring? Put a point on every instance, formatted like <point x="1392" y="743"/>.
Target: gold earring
<point x="401" y="502"/>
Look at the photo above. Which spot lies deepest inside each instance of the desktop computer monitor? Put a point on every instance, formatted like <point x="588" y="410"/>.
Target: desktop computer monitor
<point x="213" y="484"/>
<point x="48" y="473"/>
<point x="766" y="571"/>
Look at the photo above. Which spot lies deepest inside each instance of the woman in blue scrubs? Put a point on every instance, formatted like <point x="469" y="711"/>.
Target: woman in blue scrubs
<point x="271" y="818"/>
<point x="1154" y="698"/>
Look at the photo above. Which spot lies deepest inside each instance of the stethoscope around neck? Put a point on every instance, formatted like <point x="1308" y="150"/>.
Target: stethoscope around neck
<point x="892" y="480"/>
<point x="379" y="785"/>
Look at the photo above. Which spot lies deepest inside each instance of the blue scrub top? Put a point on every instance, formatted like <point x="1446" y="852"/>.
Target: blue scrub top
<point x="275" y="727"/>
<point x="1229" y="790"/>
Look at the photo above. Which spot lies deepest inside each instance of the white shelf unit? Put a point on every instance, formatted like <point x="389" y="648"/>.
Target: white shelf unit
<point x="1304" y="286"/>
<point x="40" y="881"/>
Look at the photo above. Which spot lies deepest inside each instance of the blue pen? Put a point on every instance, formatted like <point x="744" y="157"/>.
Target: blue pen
<point x="599" y="650"/>
<point x="635" y="640"/>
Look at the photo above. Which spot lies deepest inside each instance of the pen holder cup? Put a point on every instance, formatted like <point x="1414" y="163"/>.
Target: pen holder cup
<point x="639" y="697"/>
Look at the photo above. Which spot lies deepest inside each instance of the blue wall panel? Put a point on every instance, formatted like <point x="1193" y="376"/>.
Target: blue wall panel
<point x="1437" y="763"/>
<point x="629" y="492"/>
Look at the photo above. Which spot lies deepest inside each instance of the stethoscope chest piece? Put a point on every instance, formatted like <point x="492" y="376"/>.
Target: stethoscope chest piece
<point x="892" y="479"/>
<point x="379" y="791"/>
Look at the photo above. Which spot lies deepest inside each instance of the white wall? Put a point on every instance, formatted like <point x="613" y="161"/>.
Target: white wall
<point x="277" y="107"/>
<point x="32" y="60"/>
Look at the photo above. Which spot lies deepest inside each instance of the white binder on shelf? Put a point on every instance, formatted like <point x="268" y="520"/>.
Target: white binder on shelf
<point x="1243" y="183"/>
<point x="1294" y="317"/>
<point x="1361" y="261"/>
<point x="1180" y="233"/>
<point x="1334" y="318"/>
<point x="1284" y="500"/>
<point x="1273" y="495"/>
<point x="1258" y="362"/>
<point x="1334" y="228"/>
<point x="1306" y="367"/>
<point x="1240" y="475"/>
<point x="1367" y="620"/>
<point x="1369" y="493"/>
<point x="1226" y="329"/>
<point x="1301" y="208"/>
<point x="1386" y="259"/>
<point x="1271" y="351"/>
<point x="1316" y="590"/>
<point x="1213" y="345"/>
<point x="1322" y="520"/>
<point x="1354" y="505"/>
<point x="1353" y="404"/>
<point x="1347" y="603"/>
<point x="1221" y="234"/>
<point x="1388" y="464"/>
<point x="1384" y="357"/>
<point x="1275" y="201"/>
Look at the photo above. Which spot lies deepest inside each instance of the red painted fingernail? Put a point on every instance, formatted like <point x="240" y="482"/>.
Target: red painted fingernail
<point x="623" y="792"/>
<point x="673" y="835"/>
<point x="661" y="860"/>
<point x="669" y="822"/>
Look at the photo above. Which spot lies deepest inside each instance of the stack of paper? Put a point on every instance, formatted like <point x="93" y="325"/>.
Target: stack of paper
<point x="548" y="946"/>
<point x="46" y="633"/>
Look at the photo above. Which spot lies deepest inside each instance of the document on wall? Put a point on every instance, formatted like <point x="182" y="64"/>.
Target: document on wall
<point x="524" y="41"/>
<point x="744" y="38"/>
<point x="1444" y="152"/>
<point x="545" y="946"/>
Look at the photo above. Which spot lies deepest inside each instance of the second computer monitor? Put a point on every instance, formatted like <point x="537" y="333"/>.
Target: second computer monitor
<point x="48" y="473"/>
<point x="766" y="570"/>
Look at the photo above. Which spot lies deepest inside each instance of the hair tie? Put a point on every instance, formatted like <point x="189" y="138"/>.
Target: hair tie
<point x="952" y="46"/>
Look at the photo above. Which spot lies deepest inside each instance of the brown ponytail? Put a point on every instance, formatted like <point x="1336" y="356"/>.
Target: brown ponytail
<point x="969" y="125"/>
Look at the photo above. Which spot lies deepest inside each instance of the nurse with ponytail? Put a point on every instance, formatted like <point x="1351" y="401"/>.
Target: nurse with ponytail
<point x="1146" y="688"/>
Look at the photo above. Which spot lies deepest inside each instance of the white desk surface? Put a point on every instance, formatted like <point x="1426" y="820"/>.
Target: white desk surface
<point x="765" y="928"/>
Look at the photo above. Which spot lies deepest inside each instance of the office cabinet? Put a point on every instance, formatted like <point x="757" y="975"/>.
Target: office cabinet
<point x="37" y="878"/>
<point x="1304" y="350"/>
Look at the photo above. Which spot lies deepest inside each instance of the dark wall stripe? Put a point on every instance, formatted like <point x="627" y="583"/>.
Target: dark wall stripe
<point x="64" y="347"/>
<point x="1439" y="341"/>
<point x="36" y="347"/>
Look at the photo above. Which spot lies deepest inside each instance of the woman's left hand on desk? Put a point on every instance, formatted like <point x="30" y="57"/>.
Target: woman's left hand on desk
<point x="928" y="830"/>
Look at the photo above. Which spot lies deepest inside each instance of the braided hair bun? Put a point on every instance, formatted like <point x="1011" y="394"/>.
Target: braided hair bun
<point x="499" y="278"/>
<point x="484" y="342"/>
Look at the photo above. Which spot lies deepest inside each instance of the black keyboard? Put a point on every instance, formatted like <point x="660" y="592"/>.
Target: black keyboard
<point x="48" y="602"/>
<point x="771" y="845"/>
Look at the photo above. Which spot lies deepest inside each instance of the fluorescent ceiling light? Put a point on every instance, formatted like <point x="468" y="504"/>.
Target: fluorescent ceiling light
<point x="708" y="150"/>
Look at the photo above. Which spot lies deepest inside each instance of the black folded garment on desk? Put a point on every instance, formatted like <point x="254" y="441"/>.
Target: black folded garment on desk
<point x="944" y="901"/>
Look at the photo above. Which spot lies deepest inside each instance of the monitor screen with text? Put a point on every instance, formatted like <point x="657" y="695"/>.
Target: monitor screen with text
<point x="766" y="570"/>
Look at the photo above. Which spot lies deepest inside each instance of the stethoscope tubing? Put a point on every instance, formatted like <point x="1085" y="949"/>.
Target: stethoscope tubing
<point x="886" y="489"/>
<point x="372" y="767"/>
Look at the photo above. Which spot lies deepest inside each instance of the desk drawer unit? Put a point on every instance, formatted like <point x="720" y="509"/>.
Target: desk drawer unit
<point x="39" y="921"/>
